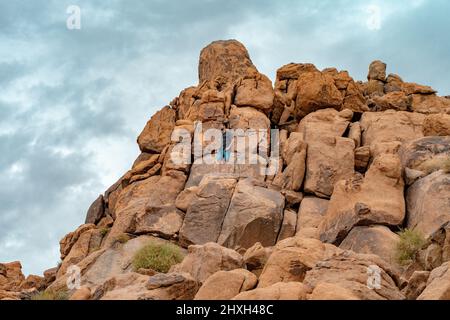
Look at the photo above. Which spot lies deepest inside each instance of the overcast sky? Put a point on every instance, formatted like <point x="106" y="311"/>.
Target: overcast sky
<point x="72" y="102"/>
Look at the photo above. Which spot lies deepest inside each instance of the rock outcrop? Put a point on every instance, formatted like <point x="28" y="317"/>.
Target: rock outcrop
<point x="252" y="192"/>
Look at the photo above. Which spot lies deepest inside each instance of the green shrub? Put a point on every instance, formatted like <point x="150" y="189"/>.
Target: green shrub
<point x="51" y="295"/>
<point x="157" y="256"/>
<point x="411" y="241"/>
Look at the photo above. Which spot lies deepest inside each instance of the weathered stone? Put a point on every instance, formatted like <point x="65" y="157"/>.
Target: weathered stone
<point x="277" y="291"/>
<point x="71" y="238"/>
<point x="288" y="226"/>
<point x="362" y="158"/>
<point x="224" y="285"/>
<point x="428" y="203"/>
<point x="315" y="91"/>
<point x="330" y="157"/>
<point x="429" y="104"/>
<point x="204" y="260"/>
<point x="380" y="128"/>
<point x="375" y="88"/>
<point x="157" y="132"/>
<point x="292" y="258"/>
<point x="437" y="125"/>
<point x="393" y="83"/>
<point x="438" y="284"/>
<point x="351" y="272"/>
<point x="254" y="215"/>
<point x="375" y="199"/>
<point x="84" y="293"/>
<point x="185" y="198"/>
<point x="378" y="240"/>
<point x="256" y="92"/>
<point x="224" y="62"/>
<point x="213" y="197"/>
<point x="416" y="284"/>
<point x="377" y="71"/>
<point x="427" y="154"/>
<point x="330" y="291"/>
<point x="310" y="215"/>
<point x="256" y="257"/>
<point x="95" y="211"/>
<point x="355" y="133"/>
<point x="294" y="156"/>
<point x="398" y="101"/>
<point x="12" y="276"/>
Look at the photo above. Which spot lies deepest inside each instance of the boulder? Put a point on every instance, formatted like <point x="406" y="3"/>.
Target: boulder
<point x="231" y="283"/>
<point x="429" y="104"/>
<point x="66" y="243"/>
<point x="11" y="276"/>
<point x="255" y="91"/>
<point x="84" y="293"/>
<point x="362" y="158"/>
<point x="325" y="291"/>
<point x="437" y="125"/>
<point x="212" y="197"/>
<point x="203" y="261"/>
<point x="416" y="284"/>
<point x="330" y="156"/>
<point x="356" y="276"/>
<point x="411" y="88"/>
<point x="133" y="286"/>
<point x="310" y="215"/>
<point x="398" y="101"/>
<point x="292" y="258"/>
<point x="157" y="132"/>
<point x="427" y="154"/>
<point x="428" y="203"/>
<point x="224" y="62"/>
<point x="255" y="215"/>
<point x="378" y="240"/>
<point x="256" y="257"/>
<point x="376" y="198"/>
<point x="132" y="200"/>
<point x="294" y="156"/>
<point x="315" y="91"/>
<point x="185" y="198"/>
<point x="394" y="83"/>
<point x="96" y="211"/>
<point x="145" y="207"/>
<point x="377" y="71"/>
<point x="288" y="226"/>
<point x="380" y="129"/>
<point x="438" y="284"/>
<point x="277" y="291"/>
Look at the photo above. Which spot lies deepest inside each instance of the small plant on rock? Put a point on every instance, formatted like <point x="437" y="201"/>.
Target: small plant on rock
<point x="123" y="238"/>
<point x="157" y="256"/>
<point x="51" y="295"/>
<point x="411" y="241"/>
<point x="104" y="231"/>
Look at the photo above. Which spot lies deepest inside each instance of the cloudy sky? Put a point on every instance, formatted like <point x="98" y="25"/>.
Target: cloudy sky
<point x="73" y="101"/>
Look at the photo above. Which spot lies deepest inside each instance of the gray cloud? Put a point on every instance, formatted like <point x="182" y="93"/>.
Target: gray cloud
<point x="73" y="102"/>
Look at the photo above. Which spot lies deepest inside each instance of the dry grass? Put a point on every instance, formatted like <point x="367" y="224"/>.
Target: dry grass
<point x="51" y="295"/>
<point x="411" y="241"/>
<point x="435" y="164"/>
<point x="157" y="256"/>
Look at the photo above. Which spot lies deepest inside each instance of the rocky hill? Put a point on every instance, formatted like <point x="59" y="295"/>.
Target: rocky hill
<point x="357" y="207"/>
